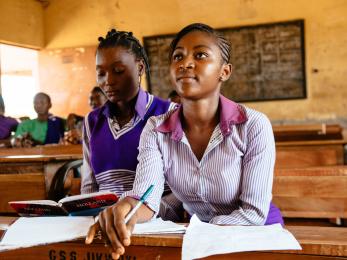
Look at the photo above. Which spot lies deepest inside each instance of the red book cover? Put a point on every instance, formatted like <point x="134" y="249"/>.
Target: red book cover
<point x="64" y="206"/>
<point x="96" y="201"/>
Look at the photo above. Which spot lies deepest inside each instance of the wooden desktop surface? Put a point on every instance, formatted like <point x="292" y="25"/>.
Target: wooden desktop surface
<point x="43" y="150"/>
<point x="317" y="243"/>
<point x="38" y="158"/>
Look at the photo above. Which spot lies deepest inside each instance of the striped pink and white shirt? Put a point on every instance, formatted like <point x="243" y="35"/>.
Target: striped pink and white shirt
<point x="231" y="184"/>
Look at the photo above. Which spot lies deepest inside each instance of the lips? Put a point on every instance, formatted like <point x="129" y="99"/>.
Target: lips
<point x="112" y="93"/>
<point x="187" y="78"/>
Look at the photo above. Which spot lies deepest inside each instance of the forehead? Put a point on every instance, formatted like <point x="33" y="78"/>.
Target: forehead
<point x="40" y="98"/>
<point x="109" y="55"/>
<point x="196" y="38"/>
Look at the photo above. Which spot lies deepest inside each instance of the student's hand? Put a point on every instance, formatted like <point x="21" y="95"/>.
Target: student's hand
<point x="24" y="140"/>
<point x="111" y="223"/>
<point x="73" y="136"/>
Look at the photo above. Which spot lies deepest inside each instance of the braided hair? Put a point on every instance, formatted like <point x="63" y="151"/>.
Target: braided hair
<point x="127" y="40"/>
<point x="223" y="44"/>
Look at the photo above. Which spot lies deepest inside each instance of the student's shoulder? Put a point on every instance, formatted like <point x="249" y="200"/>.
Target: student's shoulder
<point x="254" y="117"/>
<point x="56" y="119"/>
<point x="157" y="120"/>
<point x="95" y="114"/>
<point x="28" y="122"/>
<point x="158" y="105"/>
<point x="9" y="120"/>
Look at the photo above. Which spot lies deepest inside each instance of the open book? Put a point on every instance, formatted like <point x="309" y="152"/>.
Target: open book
<point x="79" y="205"/>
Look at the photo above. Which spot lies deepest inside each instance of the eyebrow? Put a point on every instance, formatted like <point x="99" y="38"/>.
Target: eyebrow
<point x="114" y="63"/>
<point x="196" y="47"/>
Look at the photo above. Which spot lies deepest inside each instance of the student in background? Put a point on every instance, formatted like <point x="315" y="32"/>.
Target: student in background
<point x="74" y="126"/>
<point x="97" y="98"/>
<point x="217" y="156"/>
<point x="74" y="122"/>
<point x="7" y="125"/>
<point x="112" y="132"/>
<point x="45" y="129"/>
<point x="174" y="97"/>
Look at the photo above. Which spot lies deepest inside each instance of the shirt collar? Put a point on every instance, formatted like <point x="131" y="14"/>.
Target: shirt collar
<point x="140" y="105"/>
<point x="230" y="114"/>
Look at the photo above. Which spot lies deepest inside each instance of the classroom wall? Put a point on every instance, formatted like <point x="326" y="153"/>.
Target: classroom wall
<point x="78" y="23"/>
<point x="68" y="75"/>
<point x="21" y="23"/>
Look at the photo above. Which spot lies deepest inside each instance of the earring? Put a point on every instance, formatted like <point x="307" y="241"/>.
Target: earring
<point x="140" y="78"/>
<point x="220" y="78"/>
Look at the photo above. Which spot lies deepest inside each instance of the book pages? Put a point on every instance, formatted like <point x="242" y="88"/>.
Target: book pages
<point x="204" y="239"/>
<point x="158" y="226"/>
<point x="27" y="232"/>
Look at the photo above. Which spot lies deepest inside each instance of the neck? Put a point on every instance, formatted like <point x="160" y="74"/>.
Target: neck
<point x="125" y="108"/>
<point x="42" y="117"/>
<point x="200" y="114"/>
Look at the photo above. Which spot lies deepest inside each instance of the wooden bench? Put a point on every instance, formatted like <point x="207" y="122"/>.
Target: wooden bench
<point x="313" y="192"/>
<point x="306" y="132"/>
<point x="310" y="153"/>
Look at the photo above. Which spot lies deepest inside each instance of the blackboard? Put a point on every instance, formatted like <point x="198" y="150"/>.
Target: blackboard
<point x="268" y="62"/>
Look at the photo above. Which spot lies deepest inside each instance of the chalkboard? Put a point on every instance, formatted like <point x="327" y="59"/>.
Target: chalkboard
<point x="268" y="62"/>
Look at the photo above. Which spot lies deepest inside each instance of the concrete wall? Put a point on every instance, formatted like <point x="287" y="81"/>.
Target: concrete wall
<point x="21" y="23"/>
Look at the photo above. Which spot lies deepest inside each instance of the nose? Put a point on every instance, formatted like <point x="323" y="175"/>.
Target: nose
<point x="110" y="79"/>
<point x="187" y="63"/>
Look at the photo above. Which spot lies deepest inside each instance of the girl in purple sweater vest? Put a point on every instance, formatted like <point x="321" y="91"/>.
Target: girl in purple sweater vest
<point x="112" y="132"/>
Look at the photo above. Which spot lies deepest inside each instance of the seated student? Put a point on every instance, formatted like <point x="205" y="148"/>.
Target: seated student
<point x="74" y="125"/>
<point x="45" y="129"/>
<point x="7" y="124"/>
<point x="112" y="132"/>
<point x="74" y="122"/>
<point x="97" y="98"/>
<point x="217" y="156"/>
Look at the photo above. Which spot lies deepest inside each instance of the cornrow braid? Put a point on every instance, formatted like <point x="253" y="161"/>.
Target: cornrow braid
<point x="116" y="38"/>
<point x="223" y="44"/>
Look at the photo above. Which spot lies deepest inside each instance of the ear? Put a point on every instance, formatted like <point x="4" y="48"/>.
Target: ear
<point x="141" y="67"/>
<point x="226" y="72"/>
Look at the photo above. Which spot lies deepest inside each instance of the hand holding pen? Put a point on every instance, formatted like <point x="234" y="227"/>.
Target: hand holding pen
<point x="117" y="222"/>
<point x="138" y="205"/>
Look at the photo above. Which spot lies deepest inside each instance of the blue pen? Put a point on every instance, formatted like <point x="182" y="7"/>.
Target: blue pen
<point x="142" y="200"/>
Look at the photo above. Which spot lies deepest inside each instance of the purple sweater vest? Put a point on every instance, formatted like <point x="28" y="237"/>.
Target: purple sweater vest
<point x="108" y="153"/>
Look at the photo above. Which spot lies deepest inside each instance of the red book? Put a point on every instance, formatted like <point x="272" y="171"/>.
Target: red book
<point x="85" y="204"/>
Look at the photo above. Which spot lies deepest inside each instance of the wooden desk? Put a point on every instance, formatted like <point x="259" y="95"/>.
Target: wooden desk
<point x="310" y="153"/>
<point x="27" y="173"/>
<point x="318" y="243"/>
<point x="36" y="159"/>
